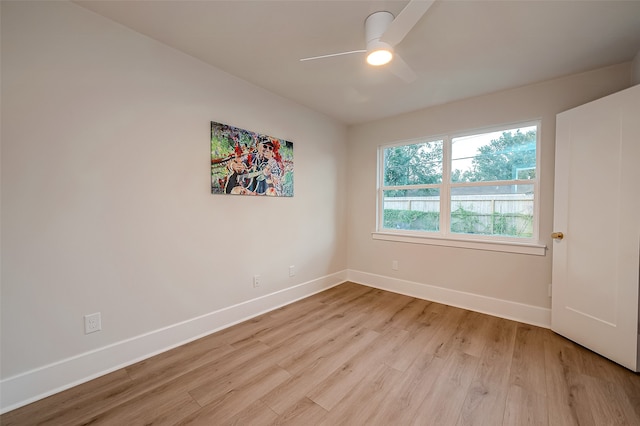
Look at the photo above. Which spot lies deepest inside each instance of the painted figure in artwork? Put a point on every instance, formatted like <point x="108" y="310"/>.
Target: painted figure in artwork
<point x="268" y="163"/>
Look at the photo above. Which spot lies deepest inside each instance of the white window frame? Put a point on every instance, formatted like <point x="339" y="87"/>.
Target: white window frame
<point x="444" y="237"/>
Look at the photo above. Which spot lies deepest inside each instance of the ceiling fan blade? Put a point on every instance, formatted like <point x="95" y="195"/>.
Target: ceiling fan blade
<point x="331" y="55"/>
<point x="405" y="21"/>
<point x="399" y="68"/>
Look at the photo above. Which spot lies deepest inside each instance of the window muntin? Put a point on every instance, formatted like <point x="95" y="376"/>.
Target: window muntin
<point x="481" y="185"/>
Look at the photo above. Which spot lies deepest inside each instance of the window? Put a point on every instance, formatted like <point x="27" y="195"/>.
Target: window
<point x="479" y="186"/>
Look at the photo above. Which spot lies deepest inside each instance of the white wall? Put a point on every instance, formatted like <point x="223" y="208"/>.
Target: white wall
<point x="106" y="203"/>
<point x="510" y="285"/>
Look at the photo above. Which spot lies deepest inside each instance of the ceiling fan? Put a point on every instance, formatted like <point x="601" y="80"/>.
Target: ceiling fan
<point x="383" y="32"/>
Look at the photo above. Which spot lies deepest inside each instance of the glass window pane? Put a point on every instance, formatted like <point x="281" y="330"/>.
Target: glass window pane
<point x="502" y="210"/>
<point x="504" y="155"/>
<point x="415" y="164"/>
<point x="415" y="210"/>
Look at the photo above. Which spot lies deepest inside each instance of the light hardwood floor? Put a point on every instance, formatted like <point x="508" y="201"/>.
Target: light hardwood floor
<point x="354" y="355"/>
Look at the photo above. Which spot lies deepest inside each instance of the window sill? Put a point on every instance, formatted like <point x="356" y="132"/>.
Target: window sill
<point x="502" y="246"/>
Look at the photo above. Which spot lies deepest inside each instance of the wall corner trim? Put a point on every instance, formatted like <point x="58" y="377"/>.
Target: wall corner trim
<point x="28" y="387"/>
<point x="529" y="314"/>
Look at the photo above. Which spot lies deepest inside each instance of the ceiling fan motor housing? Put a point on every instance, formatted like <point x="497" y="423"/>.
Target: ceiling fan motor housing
<point x="375" y="25"/>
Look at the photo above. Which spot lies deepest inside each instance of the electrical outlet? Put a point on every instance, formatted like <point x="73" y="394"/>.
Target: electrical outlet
<point x="92" y="323"/>
<point x="394" y="265"/>
<point x="292" y="270"/>
<point x="256" y="281"/>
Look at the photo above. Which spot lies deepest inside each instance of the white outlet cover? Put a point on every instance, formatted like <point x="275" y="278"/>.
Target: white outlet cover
<point x="92" y="323"/>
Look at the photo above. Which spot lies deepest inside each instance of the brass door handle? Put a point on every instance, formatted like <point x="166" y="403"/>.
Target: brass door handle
<point x="557" y="235"/>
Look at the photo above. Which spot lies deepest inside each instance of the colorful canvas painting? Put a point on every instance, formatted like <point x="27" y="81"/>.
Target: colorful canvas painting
<point x="249" y="163"/>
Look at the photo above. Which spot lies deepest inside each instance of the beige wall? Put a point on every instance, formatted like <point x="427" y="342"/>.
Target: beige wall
<point x="106" y="203"/>
<point x="511" y="277"/>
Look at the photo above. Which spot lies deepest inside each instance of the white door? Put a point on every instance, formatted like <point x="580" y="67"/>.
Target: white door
<point x="597" y="208"/>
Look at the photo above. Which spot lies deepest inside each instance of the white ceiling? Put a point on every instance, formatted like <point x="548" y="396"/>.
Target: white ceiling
<point x="459" y="49"/>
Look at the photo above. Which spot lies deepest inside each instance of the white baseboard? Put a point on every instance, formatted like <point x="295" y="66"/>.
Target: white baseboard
<point x="528" y="314"/>
<point x="39" y="383"/>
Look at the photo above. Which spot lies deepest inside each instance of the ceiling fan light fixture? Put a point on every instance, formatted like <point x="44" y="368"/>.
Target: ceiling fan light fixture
<point x="378" y="52"/>
<point x="379" y="57"/>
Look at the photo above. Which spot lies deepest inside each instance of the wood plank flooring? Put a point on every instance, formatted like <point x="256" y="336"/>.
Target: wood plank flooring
<point x="354" y="355"/>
